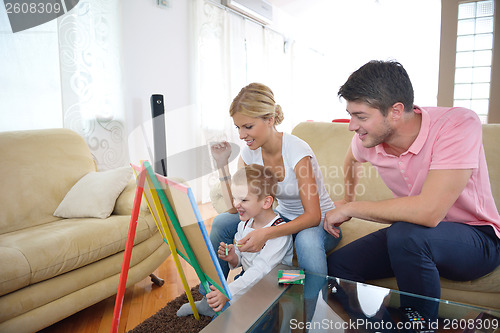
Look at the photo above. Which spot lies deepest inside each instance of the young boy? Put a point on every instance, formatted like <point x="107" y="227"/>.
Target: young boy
<point x="254" y="189"/>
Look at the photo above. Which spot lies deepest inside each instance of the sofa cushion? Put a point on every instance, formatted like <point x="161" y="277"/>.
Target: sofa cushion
<point x="79" y="288"/>
<point x="15" y="269"/>
<point x="95" y="194"/>
<point x="38" y="168"/>
<point x="492" y="151"/>
<point x="125" y="202"/>
<point x="35" y="254"/>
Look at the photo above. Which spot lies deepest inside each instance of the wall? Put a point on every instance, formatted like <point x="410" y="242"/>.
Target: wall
<point x="156" y="60"/>
<point x="351" y="33"/>
<point x="155" y="43"/>
<point x="340" y="36"/>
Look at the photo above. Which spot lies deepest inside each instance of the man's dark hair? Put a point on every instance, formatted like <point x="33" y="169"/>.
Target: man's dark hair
<point x="379" y="84"/>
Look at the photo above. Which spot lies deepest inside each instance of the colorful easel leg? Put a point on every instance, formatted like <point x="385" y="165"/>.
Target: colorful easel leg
<point x="184" y="281"/>
<point x="173" y="250"/>
<point x="128" y="252"/>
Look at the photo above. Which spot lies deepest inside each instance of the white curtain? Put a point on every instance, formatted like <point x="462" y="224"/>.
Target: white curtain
<point x="89" y="53"/>
<point x="66" y="73"/>
<point x="30" y="87"/>
<point x="231" y="52"/>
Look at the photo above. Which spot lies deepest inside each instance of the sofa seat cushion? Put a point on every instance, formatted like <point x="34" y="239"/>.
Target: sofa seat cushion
<point x="490" y="283"/>
<point x="15" y="269"/>
<point x="35" y="254"/>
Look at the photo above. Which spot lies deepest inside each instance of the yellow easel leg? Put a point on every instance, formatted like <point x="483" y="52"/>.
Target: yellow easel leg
<point x="186" y="286"/>
<point x="173" y="250"/>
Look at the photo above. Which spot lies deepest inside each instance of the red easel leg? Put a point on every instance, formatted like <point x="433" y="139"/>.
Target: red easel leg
<point x="128" y="251"/>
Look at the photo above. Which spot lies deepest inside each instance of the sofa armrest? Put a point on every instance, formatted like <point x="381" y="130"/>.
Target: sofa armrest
<point x="217" y="199"/>
<point x="125" y="201"/>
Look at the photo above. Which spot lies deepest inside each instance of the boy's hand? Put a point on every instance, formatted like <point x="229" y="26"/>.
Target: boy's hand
<point x="226" y="252"/>
<point x="216" y="300"/>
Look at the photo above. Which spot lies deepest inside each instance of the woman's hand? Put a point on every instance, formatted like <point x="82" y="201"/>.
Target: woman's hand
<point x="216" y="300"/>
<point x="221" y="152"/>
<point x="254" y="241"/>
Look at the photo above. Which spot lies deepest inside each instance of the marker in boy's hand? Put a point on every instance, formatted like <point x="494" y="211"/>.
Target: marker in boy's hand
<point x="225" y="249"/>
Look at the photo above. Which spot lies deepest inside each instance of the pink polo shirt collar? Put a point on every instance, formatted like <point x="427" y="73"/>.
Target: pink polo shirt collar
<point x="419" y="142"/>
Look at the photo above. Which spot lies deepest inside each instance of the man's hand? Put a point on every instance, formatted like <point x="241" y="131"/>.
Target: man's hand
<point x="216" y="300"/>
<point x="334" y="218"/>
<point x="254" y="241"/>
<point x="340" y="203"/>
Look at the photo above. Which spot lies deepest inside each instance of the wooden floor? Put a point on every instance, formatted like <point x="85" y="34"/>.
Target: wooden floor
<point x="141" y="300"/>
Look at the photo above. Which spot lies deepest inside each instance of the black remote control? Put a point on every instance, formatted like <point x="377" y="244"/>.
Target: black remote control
<point x="414" y="321"/>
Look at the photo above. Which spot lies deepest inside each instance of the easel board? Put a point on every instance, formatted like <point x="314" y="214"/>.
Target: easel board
<point x="187" y="224"/>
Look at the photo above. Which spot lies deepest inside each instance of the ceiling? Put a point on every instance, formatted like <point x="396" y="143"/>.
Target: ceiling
<point x="297" y="7"/>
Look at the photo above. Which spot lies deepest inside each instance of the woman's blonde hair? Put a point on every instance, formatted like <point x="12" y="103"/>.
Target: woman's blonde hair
<point x="257" y="101"/>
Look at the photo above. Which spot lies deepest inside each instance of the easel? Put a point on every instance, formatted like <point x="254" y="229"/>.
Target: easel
<point x="168" y="223"/>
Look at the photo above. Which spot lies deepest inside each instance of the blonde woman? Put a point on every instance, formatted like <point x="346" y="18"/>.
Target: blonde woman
<point x="301" y="194"/>
<point x="302" y="197"/>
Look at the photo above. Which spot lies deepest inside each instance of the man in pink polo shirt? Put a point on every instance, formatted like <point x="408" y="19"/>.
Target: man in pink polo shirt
<point x="443" y="218"/>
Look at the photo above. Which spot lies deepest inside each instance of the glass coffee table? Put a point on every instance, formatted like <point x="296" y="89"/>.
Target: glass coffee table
<point x="329" y="304"/>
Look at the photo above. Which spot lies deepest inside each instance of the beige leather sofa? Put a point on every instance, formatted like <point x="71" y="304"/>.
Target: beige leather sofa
<point x="52" y="267"/>
<point x="330" y="141"/>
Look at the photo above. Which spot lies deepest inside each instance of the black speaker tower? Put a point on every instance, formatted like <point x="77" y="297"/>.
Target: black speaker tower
<point x="160" y="140"/>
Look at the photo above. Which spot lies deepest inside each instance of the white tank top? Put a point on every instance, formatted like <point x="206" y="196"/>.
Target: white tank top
<point x="293" y="150"/>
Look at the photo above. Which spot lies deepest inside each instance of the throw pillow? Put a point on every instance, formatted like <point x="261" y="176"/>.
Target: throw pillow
<point x="95" y="194"/>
